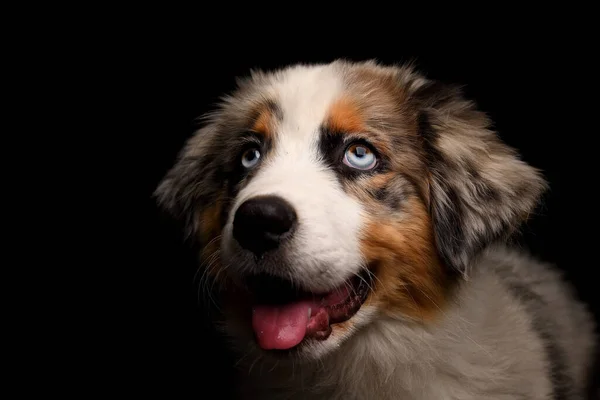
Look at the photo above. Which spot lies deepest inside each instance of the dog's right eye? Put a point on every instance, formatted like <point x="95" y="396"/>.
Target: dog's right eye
<point x="250" y="158"/>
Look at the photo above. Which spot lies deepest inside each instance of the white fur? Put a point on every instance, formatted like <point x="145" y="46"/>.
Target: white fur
<point x="324" y="251"/>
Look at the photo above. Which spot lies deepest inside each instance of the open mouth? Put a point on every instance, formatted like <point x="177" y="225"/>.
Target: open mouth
<point x="284" y="315"/>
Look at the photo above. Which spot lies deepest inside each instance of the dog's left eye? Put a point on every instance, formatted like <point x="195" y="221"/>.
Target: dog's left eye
<point x="250" y="158"/>
<point x="359" y="156"/>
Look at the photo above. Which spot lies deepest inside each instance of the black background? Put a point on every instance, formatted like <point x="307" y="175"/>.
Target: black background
<point x="535" y="85"/>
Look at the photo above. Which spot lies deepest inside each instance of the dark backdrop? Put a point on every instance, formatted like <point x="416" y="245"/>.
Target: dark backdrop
<point x="534" y="87"/>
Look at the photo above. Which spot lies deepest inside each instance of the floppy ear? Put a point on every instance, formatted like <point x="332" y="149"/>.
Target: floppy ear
<point x="194" y="181"/>
<point x="479" y="189"/>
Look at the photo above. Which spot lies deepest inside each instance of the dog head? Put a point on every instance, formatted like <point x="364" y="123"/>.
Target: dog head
<point x="327" y="196"/>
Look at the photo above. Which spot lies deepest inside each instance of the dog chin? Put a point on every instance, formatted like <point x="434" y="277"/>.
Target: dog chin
<point x="282" y="320"/>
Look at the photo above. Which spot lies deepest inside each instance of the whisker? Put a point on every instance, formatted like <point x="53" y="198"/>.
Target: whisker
<point x="253" y="363"/>
<point x="274" y="366"/>
<point x="373" y="278"/>
<point x="239" y="361"/>
<point x="207" y="246"/>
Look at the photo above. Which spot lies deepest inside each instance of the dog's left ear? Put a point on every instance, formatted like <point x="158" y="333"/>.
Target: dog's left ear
<point x="480" y="191"/>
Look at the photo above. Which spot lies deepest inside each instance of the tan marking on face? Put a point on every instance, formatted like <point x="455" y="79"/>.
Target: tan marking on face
<point x="401" y="251"/>
<point x="381" y="181"/>
<point x="344" y="116"/>
<point x="264" y="121"/>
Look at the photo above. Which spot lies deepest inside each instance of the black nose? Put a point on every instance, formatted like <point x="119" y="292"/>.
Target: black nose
<point x="261" y="223"/>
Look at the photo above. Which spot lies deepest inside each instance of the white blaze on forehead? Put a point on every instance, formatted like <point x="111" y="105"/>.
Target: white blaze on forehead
<point x="325" y="248"/>
<point x="304" y="95"/>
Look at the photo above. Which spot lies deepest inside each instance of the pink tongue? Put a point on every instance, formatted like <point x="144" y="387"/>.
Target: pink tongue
<point x="280" y="327"/>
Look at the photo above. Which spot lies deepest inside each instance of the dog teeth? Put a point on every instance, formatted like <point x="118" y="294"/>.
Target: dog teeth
<point x="309" y="311"/>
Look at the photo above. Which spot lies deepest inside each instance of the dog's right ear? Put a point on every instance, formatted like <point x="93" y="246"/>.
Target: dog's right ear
<point x="193" y="182"/>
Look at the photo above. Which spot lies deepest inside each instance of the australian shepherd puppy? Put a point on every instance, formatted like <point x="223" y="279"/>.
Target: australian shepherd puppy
<point x="352" y="216"/>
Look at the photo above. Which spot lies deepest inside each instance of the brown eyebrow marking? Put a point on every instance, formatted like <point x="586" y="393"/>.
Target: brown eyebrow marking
<point x="344" y="116"/>
<point x="347" y="117"/>
<point x="265" y="118"/>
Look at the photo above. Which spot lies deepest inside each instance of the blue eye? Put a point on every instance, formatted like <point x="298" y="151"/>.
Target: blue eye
<point x="250" y="158"/>
<point x="360" y="156"/>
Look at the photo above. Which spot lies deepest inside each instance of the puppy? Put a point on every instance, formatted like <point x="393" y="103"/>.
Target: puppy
<point x="352" y="218"/>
